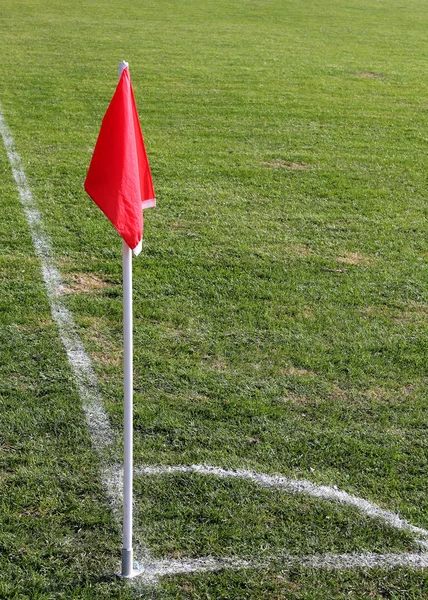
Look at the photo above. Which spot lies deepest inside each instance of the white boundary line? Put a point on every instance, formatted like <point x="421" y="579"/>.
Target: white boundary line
<point x="96" y="417"/>
<point x="340" y="562"/>
<point x="102" y="436"/>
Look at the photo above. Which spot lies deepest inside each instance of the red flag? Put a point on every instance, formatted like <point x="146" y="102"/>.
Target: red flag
<point x="119" y="179"/>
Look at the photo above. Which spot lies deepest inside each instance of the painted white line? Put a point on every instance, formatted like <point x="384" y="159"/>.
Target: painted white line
<point x="369" y="560"/>
<point x="340" y="562"/>
<point x="96" y="417"/>
<point x="297" y="486"/>
<point x="152" y="571"/>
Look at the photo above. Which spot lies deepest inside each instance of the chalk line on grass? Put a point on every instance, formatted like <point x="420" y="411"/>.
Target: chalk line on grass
<point x="96" y="417"/>
<point x="340" y="562"/>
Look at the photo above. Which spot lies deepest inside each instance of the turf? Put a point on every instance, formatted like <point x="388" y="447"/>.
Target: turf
<point x="280" y="299"/>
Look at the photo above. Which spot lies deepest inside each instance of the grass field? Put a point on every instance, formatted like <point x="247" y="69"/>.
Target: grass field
<point x="281" y="298"/>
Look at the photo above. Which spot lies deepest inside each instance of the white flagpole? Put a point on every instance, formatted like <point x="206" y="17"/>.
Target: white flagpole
<point x="127" y="550"/>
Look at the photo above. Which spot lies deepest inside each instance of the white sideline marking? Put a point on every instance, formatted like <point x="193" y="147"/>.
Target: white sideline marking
<point x="96" y="417"/>
<point x="341" y="562"/>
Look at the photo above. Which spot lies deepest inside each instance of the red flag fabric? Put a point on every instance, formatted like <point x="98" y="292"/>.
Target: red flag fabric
<point x="119" y="179"/>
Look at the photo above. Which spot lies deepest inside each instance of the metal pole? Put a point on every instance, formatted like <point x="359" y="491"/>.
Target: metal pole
<point x="127" y="552"/>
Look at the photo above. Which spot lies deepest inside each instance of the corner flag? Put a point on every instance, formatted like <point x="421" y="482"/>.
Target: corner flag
<point x="120" y="183"/>
<point x="119" y="179"/>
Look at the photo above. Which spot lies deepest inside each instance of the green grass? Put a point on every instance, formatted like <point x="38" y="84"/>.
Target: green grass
<point x="280" y="313"/>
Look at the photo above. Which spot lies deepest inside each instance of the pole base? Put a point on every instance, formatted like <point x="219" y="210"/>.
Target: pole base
<point x="129" y="568"/>
<point x="135" y="573"/>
